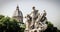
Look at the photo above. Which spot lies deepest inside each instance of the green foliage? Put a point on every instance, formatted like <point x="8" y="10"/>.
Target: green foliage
<point x="51" y="27"/>
<point x="1" y="16"/>
<point x="49" y="24"/>
<point x="8" y="24"/>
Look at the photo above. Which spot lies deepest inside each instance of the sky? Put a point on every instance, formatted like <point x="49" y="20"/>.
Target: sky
<point x="52" y="7"/>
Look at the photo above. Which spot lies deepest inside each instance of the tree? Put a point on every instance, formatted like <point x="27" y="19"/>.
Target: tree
<point x="51" y="27"/>
<point x="1" y="16"/>
<point x="8" y="24"/>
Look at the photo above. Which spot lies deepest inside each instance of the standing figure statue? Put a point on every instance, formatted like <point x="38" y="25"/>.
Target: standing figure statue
<point x="34" y="17"/>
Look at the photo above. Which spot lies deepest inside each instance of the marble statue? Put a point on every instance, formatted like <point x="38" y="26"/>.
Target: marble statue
<point x="36" y="22"/>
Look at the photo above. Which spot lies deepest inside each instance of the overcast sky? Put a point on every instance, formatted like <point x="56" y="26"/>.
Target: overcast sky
<point x="52" y="7"/>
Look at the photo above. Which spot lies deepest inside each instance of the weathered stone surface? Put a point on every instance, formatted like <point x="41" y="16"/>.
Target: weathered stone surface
<point x="36" y="22"/>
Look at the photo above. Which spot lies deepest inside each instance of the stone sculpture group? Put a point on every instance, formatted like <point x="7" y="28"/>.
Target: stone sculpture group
<point x="35" y="21"/>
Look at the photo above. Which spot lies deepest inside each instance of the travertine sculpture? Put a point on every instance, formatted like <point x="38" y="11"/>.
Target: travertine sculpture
<point x="35" y="22"/>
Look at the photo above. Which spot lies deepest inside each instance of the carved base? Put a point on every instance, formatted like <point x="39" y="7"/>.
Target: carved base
<point x="33" y="30"/>
<point x="26" y="30"/>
